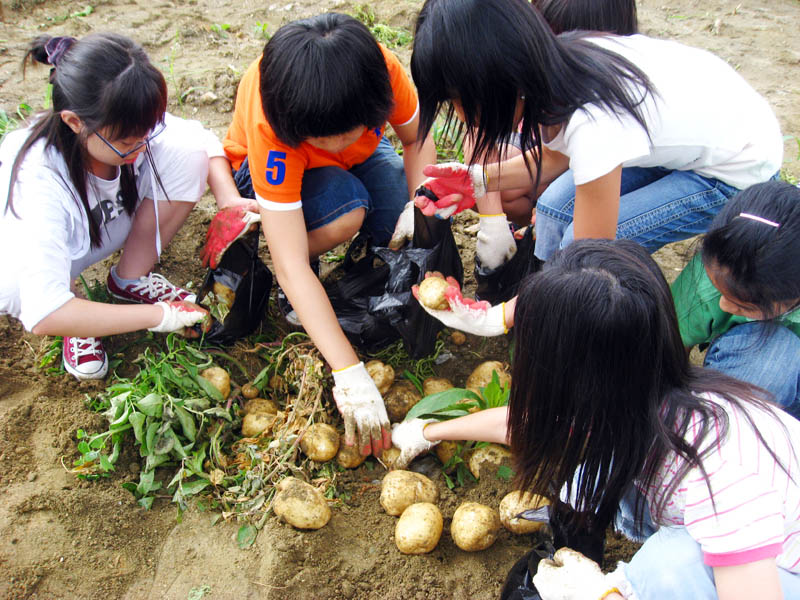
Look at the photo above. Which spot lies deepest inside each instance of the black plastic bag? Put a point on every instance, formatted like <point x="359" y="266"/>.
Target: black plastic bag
<point x="373" y="301"/>
<point x="244" y="273"/>
<point x="501" y="284"/>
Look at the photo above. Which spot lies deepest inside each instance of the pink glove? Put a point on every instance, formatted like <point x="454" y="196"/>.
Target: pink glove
<point x="227" y="226"/>
<point x="456" y="185"/>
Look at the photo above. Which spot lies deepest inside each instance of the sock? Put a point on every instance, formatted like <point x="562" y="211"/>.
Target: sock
<point x="120" y="281"/>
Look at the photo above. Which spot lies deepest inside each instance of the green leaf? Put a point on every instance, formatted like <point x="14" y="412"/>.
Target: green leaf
<point x="442" y="401"/>
<point x="187" y="423"/>
<point x="198" y="404"/>
<point x="152" y="405"/>
<point x="145" y="482"/>
<point x="164" y="442"/>
<point x="97" y="443"/>
<point x="246" y="536"/>
<point x="146" y="502"/>
<point x="83" y="448"/>
<point x="177" y="446"/>
<point x="105" y="464"/>
<point x="195" y="486"/>
<point x="150" y="438"/>
<point x="505" y="473"/>
<point x="220" y="412"/>
<point x="209" y="389"/>
<point x="137" y="419"/>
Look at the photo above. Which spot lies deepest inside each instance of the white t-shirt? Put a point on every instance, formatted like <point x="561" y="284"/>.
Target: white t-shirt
<point x="48" y="245"/>
<point x="757" y="504"/>
<point x="704" y="118"/>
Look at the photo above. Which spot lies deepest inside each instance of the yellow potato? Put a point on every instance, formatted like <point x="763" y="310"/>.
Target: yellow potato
<point x="320" y="442"/>
<point x="382" y="375"/>
<point x="400" y="489"/>
<point x="482" y="375"/>
<point x="300" y="504"/>
<point x="434" y="385"/>
<point x="445" y="450"/>
<point x="260" y="405"/>
<point x="516" y="502"/>
<point x="249" y="391"/>
<point x="418" y="529"/>
<point x="255" y="424"/>
<point x="486" y="460"/>
<point x="458" y="338"/>
<point x="225" y="294"/>
<point x="219" y="378"/>
<point x="389" y="457"/>
<point x="349" y="457"/>
<point x="399" y="400"/>
<point x="431" y="293"/>
<point x="475" y="526"/>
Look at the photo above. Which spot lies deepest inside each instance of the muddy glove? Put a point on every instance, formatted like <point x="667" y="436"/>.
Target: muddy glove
<point x="455" y="185"/>
<point x="571" y="576"/>
<point x="496" y="243"/>
<point x="404" y="230"/>
<point x="227" y="226"/>
<point x="466" y="314"/>
<point x="408" y="438"/>
<point x="179" y="315"/>
<point x="362" y="409"/>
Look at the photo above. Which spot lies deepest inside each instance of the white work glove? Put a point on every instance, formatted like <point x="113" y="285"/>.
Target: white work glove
<point x="571" y="576"/>
<point x="408" y="438"/>
<point x="180" y="314"/>
<point x="362" y="408"/>
<point x="495" y="242"/>
<point x="466" y="314"/>
<point x="455" y="185"/>
<point x="404" y="230"/>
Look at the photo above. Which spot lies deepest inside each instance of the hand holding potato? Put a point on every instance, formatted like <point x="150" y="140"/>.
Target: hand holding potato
<point x="411" y="442"/>
<point x="571" y="576"/>
<point x="362" y="408"/>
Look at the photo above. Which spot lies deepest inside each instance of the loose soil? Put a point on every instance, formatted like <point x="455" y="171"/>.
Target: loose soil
<point x="65" y="538"/>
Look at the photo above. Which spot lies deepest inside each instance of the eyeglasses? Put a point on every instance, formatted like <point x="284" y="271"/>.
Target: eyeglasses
<point x="146" y="141"/>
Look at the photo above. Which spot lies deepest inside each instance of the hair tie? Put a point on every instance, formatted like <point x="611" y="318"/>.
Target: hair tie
<point x="759" y="219"/>
<point x="56" y="47"/>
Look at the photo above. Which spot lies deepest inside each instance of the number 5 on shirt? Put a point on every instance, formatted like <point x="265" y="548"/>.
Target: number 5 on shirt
<point x="276" y="167"/>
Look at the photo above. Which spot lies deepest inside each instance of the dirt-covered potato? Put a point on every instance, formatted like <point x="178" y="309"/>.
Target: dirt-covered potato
<point x="400" y="489"/>
<point x="389" y="457"/>
<point x="486" y="460"/>
<point x="418" y="529"/>
<point x="225" y="294"/>
<point x="399" y="400"/>
<point x="475" y="526"/>
<point x="255" y="424"/>
<point x="349" y="457"/>
<point x="260" y="405"/>
<point x="482" y="375"/>
<point x="249" y="391"/>
<point x="431" y="293"/>
<point x="300" y="504"/>
<point x="434" y="385"/>
<point x="219" y="378"/>
<point x="445" y="450"/>
<point x="458" y="338"/>
<point x="320" y="442"/>
<point x="382" y="374"/>
<point x="516" y="502"/>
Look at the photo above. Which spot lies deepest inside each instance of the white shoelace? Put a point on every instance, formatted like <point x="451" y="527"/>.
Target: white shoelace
<point x="157" y="288"/>
<point x="84" y="347"/>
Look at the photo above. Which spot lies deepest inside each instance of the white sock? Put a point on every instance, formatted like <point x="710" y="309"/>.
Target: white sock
<point x="120" y="281"/>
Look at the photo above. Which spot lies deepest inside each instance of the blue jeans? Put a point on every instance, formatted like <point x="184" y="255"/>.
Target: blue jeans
<point x="764" y="354"/>
<point x="657" y="206"/>
<point x="378" y="185"/>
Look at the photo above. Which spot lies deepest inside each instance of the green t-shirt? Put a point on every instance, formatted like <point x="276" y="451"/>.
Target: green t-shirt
<point x="697" y="303"/>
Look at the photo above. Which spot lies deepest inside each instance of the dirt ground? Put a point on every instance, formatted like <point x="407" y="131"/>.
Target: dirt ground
<point x="64" y="538"/>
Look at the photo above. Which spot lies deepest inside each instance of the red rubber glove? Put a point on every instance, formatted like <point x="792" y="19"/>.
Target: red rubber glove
<point x="456" y="185"/>
<point x="227" y="226"/>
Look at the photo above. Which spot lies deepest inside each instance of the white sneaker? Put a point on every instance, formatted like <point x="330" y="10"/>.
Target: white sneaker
<point x="85" y="358"/>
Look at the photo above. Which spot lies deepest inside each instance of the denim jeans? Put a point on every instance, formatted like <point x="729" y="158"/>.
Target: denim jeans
<point x="657" y="206"/>
<point x="378" y="185"/>
<point x="764" y="354"/>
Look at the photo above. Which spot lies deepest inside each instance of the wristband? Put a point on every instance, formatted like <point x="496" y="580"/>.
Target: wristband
<point x="609" y="592"/>
<point x="343" y="369"/>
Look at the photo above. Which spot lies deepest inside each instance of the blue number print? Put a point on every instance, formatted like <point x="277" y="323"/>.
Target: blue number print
<point x="276" y="167"/>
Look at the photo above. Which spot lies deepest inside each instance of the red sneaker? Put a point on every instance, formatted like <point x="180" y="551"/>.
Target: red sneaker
<point x="85" y="358"/>
<point x="149" y="289"/>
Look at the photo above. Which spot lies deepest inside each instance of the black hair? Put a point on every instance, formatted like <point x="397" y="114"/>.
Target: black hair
<point x="488" y="53"/>
<point x="610" y="16"/>
<point x="108" y="81"/>
<point x="602" y="381"/>
<point x="758" y="263"/>
<point x="323" y="76"/>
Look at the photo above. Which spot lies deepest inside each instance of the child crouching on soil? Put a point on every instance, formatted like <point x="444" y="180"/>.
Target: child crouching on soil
<point x="606" y="406"/>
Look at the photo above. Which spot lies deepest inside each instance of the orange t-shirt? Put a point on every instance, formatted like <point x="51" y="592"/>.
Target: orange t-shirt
<point x="276" y="168"/>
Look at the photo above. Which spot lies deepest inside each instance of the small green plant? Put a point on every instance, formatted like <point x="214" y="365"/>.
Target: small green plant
<point x="389" y="36"/>
<point x="221" y="29"/>
<point x="449" y="140"/>
<point x="395" y="355"/>
<point x="9" y="123"/>
<point x="457" y="402"/>
<point x="50" y="361"/>
<point x="84" y="12"/>
<point x="261" y="30"/>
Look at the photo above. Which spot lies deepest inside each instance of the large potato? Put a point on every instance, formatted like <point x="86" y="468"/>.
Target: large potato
<point x="431" y="293"/>
<point x="320" y="442"/>
<point x="418" y="529"/>
<point x="475" y="526"/>
<point x="260" y="405"/>
<point x="399" y="400"/>
<point x="219" y="378"/>
<point x="349" y="457"/>
<point x="486" y="460"/>
<point x="255" y="424"/>
<point x="516" y="502"/>
<point x="300" y="504"/>
<point x="434" y="385"/>
<point x="482" y="375"/>
<point x="400" y="489"/>
<point x="382" y="374"/>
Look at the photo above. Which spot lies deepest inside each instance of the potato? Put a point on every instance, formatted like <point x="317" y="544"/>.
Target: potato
<point x="225" y="294"/>
<point x="475" y="526"/>
<point x="486" y="460"/>
<point x="399" y="400"/>
<point x="255" y="424"/>
<point x="249" y="391"/>
<point x="320" y="442"/>
<point x="445" y="450"/>
<point x="434" y="385"/>
<point x="418" y="529"/>
<point x="482" y="375"/>
<point x="400" y="489"/>
<point x="516" y="502"/>
<point x="389" y="457"/>
<point x="300" y="504"/>
<point x="349" y="457"/>
<point x="260" y="405"/>
<point x="382" y="375"/>
<point x="219" y="378"/>
<point x="458" y="338"/>
<point x="431" y="293"/>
